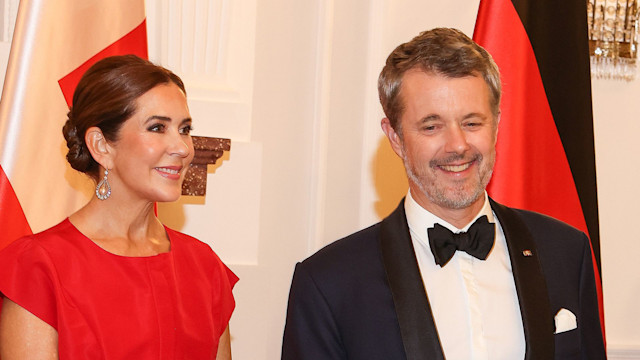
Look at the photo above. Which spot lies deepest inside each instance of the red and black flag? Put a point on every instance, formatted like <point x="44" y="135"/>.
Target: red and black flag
<point x="545" y="151"/>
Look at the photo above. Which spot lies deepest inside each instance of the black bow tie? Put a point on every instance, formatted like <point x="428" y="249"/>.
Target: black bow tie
<point x="477" y="241"/>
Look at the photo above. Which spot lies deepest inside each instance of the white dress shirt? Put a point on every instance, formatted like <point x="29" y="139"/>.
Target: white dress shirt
<point x="474" y="302"/>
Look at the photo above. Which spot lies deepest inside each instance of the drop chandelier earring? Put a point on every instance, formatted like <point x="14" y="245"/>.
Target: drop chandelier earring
<point x="103" y="189"/>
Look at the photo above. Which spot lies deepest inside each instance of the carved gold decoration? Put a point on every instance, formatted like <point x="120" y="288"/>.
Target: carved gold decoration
<point x="207" y="151"/>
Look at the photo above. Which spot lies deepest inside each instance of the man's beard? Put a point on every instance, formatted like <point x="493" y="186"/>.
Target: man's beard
<point x="455" y="197"/>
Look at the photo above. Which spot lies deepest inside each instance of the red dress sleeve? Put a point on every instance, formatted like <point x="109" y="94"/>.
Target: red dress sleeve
<point x="226" y="303"/>
<point x="28" y="278"/>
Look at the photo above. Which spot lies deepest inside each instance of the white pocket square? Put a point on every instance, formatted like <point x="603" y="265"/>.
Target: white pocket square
<point x="565" y="321"/>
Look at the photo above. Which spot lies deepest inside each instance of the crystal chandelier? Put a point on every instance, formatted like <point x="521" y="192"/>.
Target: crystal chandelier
<point x="613" y="38"/>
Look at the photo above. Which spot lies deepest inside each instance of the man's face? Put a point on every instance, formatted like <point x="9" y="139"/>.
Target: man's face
<point x="448" y="139"/>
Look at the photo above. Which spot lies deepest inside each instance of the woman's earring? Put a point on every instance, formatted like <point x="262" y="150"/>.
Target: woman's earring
<point x="103" y="189"/>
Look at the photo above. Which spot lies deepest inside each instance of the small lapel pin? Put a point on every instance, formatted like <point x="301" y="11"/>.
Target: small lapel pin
<point x="527" y="253"/>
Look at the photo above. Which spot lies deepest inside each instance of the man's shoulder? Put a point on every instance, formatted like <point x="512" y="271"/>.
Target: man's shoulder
<point x="347" y="272"/>
<point x="358" y="254"/>
<point x="547" y="232"/>
<point x="357" y="247"/>
<point x="536" y="221"/>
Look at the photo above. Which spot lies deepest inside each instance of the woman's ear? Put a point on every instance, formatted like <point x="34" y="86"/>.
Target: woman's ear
<point x="99" y="147"/>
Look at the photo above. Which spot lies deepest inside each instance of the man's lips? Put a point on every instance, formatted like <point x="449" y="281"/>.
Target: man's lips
<point x="456" y="168"/>
<point x="456" y="164"/>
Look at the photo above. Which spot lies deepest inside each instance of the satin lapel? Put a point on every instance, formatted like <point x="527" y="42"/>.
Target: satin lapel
<point x="417" y="327"/>
<point x="530" y="284"/>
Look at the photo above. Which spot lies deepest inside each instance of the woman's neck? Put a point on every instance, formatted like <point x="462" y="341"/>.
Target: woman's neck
<point x="122" y="227"/>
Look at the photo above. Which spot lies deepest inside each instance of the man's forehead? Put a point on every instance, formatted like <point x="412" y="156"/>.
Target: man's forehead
<point x="422" y="81"/>
<point x="419" y="84"/>
<point x="438" y="91"/>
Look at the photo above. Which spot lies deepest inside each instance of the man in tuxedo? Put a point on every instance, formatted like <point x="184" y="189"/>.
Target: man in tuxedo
<point x="450" y="273"/>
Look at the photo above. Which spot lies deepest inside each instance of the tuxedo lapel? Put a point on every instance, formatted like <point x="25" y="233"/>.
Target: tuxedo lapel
<point x="417" y="327"/>
<point x="530" y="284"/>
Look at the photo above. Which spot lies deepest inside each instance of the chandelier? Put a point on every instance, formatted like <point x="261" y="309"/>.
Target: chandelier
<point x="613" y="38"/>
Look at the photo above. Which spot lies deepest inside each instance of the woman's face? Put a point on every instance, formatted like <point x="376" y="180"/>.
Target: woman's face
<point x="154" y="148"/>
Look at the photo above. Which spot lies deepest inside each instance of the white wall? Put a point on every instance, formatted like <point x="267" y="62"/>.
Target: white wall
<point x="616" y="128"/>
<point x="308" y="162"/>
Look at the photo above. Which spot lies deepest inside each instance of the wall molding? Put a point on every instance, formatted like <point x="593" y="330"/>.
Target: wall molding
<point x="211" y="45"/>
<point x="372" y="133"/>
<point x="320" y="145"/>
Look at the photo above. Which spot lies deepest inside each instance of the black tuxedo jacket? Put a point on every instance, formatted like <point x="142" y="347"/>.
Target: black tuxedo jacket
<point x="362" y="297"/>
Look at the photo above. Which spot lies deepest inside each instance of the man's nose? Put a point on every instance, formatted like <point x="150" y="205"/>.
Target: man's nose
<point x="456" y="140"/>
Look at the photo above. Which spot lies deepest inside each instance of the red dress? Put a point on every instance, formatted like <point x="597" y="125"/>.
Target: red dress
<point x="173" y="305"/>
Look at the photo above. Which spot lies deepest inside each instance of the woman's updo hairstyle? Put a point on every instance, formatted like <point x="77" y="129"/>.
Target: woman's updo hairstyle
<point x="106" y="97"/>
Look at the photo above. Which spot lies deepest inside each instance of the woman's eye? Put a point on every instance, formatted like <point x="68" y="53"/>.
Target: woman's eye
<point x="156" y="128"/>
<point x="186" y="130"/>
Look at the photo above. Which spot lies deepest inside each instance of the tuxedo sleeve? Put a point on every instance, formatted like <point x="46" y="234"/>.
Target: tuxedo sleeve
<point x="311" y="332"/>
<point x="589" y="322"/>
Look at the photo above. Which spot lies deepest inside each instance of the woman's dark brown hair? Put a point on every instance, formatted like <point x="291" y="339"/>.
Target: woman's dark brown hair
<point x="106" y="97"/>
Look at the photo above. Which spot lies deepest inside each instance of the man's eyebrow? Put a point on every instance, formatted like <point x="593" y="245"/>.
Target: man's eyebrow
<point x="430" y="117"/>
<point x="476" y="115"/>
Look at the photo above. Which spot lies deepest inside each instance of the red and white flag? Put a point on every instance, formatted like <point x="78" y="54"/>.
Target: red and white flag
<point x="54" y="42"/>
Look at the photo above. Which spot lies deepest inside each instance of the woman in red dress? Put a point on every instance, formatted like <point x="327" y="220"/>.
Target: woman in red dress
<point x="110" y="281"/>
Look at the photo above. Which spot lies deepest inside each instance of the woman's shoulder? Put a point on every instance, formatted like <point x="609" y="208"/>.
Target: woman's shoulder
<point x="183" y="238"/>
<point x="36" y="260"/>
<point x="63" y="229"/>
<point x="194" y="251"/>
<point x="54" y="237"/>
<point x="188" y="243"/>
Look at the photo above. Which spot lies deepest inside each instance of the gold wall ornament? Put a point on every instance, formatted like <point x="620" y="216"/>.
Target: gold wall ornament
<point x="613" y="38"/>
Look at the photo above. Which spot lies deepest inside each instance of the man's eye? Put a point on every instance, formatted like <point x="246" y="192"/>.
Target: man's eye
<point x="473" y="124"/>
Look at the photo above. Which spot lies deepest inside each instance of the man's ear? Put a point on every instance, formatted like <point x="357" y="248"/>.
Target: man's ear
<point x="496" y="124"/>
<point x="99" y="148"/>
<point x="394" y="139"/>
